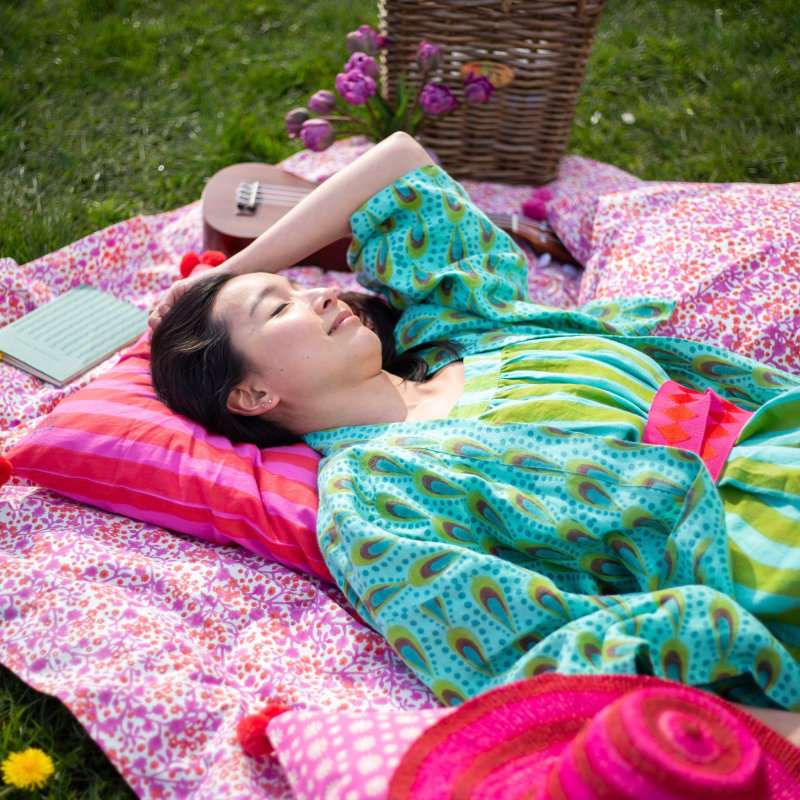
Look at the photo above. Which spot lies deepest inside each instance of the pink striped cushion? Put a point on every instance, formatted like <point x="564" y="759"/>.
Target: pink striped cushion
<point x="114" y="446"/>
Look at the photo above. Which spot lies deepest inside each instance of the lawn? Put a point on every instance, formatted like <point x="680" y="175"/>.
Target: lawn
<point x="112" y="108"/>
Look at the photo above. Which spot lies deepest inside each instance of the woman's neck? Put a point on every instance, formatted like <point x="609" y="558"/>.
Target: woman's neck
<point x="381" y="399"/>
<point x="434" y="398"/>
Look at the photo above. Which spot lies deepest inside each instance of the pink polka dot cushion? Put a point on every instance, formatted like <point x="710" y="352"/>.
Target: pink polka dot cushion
<point x="728" y="253"/>
<point x="346" y="755"/>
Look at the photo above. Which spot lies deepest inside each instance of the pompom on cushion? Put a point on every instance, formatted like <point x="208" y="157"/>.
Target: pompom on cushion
<point x="113" y="445"/>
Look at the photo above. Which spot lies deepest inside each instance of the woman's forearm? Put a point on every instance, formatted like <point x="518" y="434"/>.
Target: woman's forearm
<point x="324" y="216"/>
<point x="786" y="723"/>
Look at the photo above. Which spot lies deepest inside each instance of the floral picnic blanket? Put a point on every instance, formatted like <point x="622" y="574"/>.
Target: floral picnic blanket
<point x="159" y="643"/>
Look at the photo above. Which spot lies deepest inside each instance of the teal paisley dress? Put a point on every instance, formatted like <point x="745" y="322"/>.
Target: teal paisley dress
<point x="532" y="530"/>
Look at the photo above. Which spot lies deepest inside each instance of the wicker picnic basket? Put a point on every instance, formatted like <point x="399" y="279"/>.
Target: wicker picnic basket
<point x="536" y="51"/>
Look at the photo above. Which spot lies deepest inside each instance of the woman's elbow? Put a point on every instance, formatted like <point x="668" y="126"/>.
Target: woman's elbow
<point x="406" y="151"/>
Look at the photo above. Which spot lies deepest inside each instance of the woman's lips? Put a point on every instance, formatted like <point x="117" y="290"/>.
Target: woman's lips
<point x="366" y="321"/>
<point x="341" y="318"/>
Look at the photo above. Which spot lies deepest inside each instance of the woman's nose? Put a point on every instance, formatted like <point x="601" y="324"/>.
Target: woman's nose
<point x="321" y="298"/>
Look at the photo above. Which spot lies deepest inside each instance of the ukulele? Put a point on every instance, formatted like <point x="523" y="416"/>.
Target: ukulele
<point x="241" y="201"/>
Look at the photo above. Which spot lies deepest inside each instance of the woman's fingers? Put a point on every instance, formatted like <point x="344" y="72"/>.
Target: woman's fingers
<point x="166" y="303"/>
<point x="174" y="292"/>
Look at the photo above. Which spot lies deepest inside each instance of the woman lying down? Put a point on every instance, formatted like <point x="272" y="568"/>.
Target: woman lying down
<point x="522" y="489"/>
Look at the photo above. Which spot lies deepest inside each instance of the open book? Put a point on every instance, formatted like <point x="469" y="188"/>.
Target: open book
<point x="69" y="335"/>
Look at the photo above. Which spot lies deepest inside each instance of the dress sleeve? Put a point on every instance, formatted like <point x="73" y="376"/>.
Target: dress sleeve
<point x="422" y="241"/>
<point x="424" y="245"/>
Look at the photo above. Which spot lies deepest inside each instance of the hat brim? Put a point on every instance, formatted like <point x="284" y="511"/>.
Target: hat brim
<point x="503" y="743"/>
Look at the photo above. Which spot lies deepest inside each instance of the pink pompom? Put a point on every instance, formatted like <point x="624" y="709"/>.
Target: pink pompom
<point x="213" y="258"/>
<point x="5" y="470"/>
<point x="543" y="194"/>
<point x="534" y="208"/>
<point x="188" y="263"/>
<point x="251" y="732"/>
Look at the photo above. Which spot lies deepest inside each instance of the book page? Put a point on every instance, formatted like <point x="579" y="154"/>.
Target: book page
<point x="71" y="333"/>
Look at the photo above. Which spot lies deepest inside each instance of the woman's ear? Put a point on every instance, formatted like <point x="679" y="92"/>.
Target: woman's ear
<point x="250" y="402"/>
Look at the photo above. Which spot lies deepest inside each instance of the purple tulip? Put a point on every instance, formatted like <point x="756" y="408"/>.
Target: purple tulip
<point x="429" y="56"/>
<point x="477" y="89"/>
<point x="322" y="102"/>
<point x="317" y="134"/>
<point x="294" y="120"/>
<point x="363" y="63"/>
<point x="355" y="87"/>
<point x="436" y="98"/>
<point x="364" y="40"/>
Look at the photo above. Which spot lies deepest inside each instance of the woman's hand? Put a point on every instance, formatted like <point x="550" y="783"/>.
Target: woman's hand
<point x="174" y="292"/>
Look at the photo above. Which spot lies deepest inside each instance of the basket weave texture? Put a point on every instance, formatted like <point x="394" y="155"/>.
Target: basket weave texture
<point x="521" y="134"/>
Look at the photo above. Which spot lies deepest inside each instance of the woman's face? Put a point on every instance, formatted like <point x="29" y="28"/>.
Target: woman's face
<point x="299" y="343"/>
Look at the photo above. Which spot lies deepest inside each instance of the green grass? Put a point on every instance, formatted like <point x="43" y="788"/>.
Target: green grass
<point x="713" y="88"/>
<point x="111" y="108"/>
<point x="29" y="719"/>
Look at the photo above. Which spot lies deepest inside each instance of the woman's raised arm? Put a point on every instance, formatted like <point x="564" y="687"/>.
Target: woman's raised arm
<point x="321" y="217"/>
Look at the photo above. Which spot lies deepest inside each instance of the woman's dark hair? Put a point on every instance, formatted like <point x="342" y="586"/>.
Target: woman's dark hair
<point x="194" y="367"/>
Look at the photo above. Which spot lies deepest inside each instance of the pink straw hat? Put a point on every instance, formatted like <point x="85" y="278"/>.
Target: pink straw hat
<point x="598" y="737"/>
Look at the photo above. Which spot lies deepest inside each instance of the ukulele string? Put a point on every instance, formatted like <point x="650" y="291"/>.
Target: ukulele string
<point x="274" y="194"/>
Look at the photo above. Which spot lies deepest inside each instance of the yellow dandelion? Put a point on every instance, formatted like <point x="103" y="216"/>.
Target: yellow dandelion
<point x="29" y="769"/>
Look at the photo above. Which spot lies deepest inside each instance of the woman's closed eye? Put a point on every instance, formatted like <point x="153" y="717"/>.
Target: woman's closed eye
<point x="279" y="308"/>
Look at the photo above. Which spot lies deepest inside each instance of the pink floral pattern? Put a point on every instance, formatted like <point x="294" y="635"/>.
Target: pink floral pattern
<point x="160" y="643"/>
<point x="729" y="254"/>
<point x="157" y="642"/>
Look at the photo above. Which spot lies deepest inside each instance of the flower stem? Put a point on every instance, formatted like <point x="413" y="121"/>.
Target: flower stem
<point x="423" y="123"/>
<point x="375" y="124"/>
<point x="346" y="116"/>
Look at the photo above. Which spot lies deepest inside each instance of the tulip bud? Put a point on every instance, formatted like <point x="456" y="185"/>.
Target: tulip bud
<point x="436" y="98"/>
<point x="364" y="40"/>
<point x="294" y="120"/>
<point x="477" y="89"/>
<point x="322" y="102"/>
<point x="355" y="87"/>
<point x="429" y="56"/>
<point x="317" y="134"/>
<point x="363" y="63"/>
